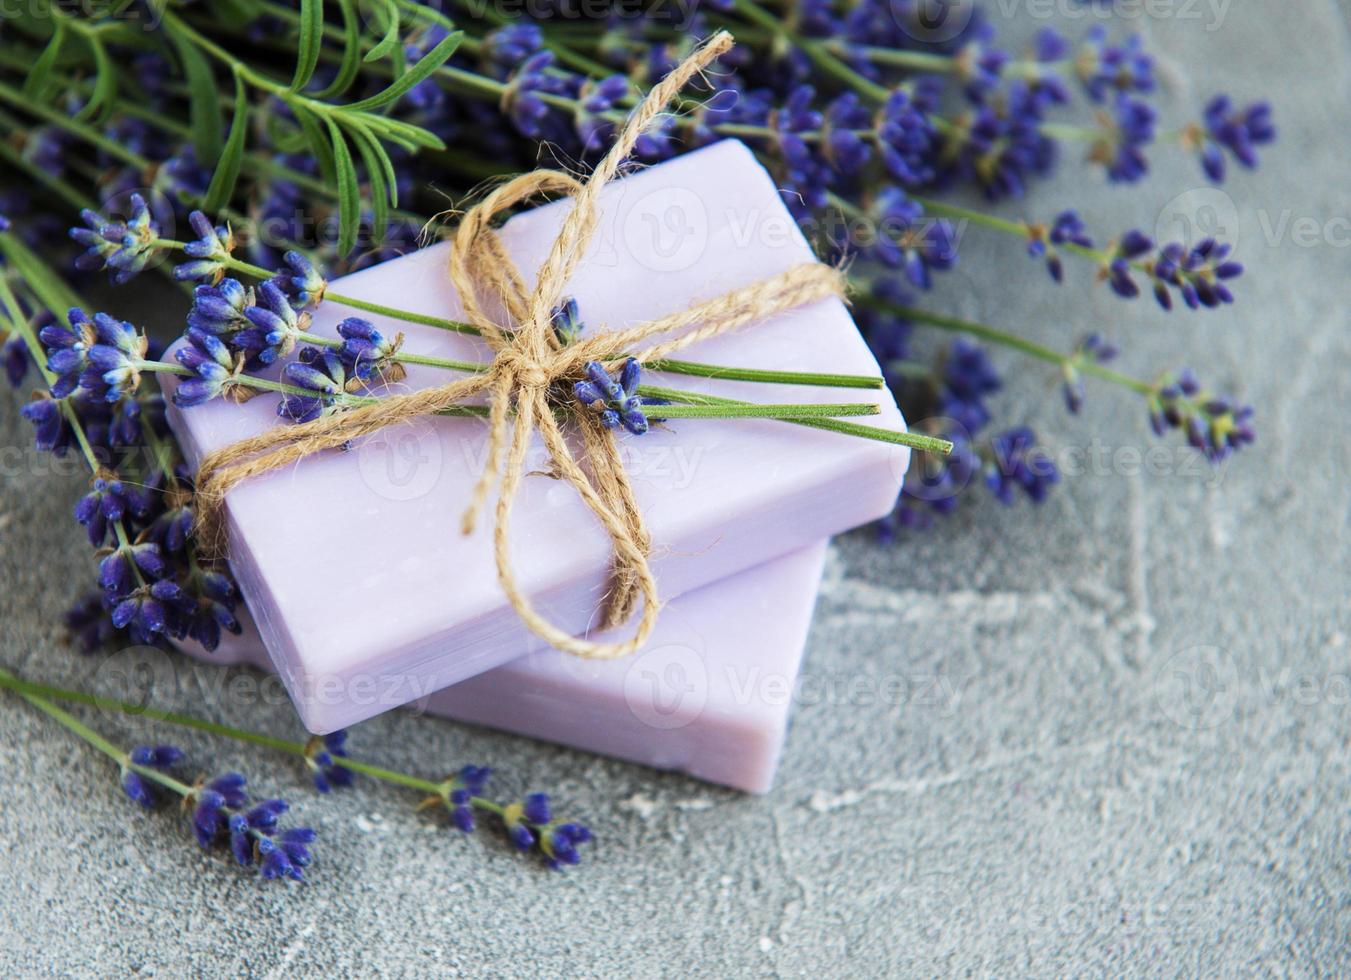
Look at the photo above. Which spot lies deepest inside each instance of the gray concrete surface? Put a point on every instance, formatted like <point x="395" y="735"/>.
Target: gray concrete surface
<point x="1062" y="807"/>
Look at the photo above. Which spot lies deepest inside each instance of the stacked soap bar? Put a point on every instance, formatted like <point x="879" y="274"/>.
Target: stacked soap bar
<point x="352" y="562"/>
<point x="708" y="696"/>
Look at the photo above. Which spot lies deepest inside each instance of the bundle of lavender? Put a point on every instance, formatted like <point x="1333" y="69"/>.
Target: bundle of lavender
<point x="301" y="143"/>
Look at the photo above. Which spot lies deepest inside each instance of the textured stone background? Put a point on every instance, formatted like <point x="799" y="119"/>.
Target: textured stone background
<point x="1064" y="808"/>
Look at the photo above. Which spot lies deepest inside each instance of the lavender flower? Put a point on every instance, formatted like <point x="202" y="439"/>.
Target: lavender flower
<point x="276" y="325"/>
<point x="52" y="433"/>
<point x="1068" y="228"/>
<point x="109" y="499"/>
<point x="905" y="137"/>
<point x="1117" y="271"/>
<point x="301" y="280"/>
<point x="119" y="570"/>
<point x="321" y="755"/>
<point x="1238" y="131"/>
<point x="125" y="247"/>
<point x="1093" y="349"/>
<point x="367" y="353"/>
<point x="140" y="787"/>
<point x="567" y="322"/>
<point x="114" y="362"/>
<point x="220" y="814"/>
<point x="597" y="99"/>
<point x="209" y="253"/>
<point x="1017" y="464"/>
<point x="529" y="822"/>
<point x="968" y="376"/>
<point x="933" y="484"/>
<point x="320" y="371"/>
<point x="210" y="359"/>
<point x="461" y="789"/>
<point x="616" y="401"/>
<point x="14" y="353"/>
<point x="1119" y="149"/>
<point x="1216" y="426"/>
<point x="1199" y="274"/>
<point x="68" y="351"/>
<point x="979" y="63"/>
<point x="212" y="611"/>
<point x="906" y="240"/>
<point x="1104" y="68"/>
<point x="220" y="309"/>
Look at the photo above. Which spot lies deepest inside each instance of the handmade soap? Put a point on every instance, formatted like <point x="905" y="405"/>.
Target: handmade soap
<point x="709" y="695"/>
<point x="353" y="562"/>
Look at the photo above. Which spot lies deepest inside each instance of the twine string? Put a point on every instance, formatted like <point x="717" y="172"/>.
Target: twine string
<point x="528" y="362"/>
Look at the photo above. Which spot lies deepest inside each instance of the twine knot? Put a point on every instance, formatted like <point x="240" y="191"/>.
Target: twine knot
<point x="524" y="369"/>
<point x="527" y="358"/>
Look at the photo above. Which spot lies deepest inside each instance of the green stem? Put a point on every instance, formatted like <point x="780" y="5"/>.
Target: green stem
<point x="35" y="698"/>
<point x="403" y="357"/>
<point x="31" y="690"/>
<point x="670" y="366"/>
<point x="922" y="443"/>
<point x="714" y="371"/>
<point x="1019" y="228"/>
<point x="790" y="412"/>
<point x="1014" y="342"/>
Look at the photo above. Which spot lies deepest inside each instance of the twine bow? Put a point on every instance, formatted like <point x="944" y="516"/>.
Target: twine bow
<point x="528" y="358"/>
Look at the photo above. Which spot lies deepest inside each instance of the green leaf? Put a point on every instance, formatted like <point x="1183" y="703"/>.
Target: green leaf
<point x="318" y="142"/>
<point x="391" y="39"/>
<point x="311" y="39"/>
<point x="105" y="81"/>
<point x="351" y="52"/>
<point x="349" y="191"/>
<point x="227" y="170"/>
<point x="204" y="99"/>
<point x="420" y="72"/>
<point x="380" y="174"/>
<point x="405" y="134"/>
<point x="35" y="85"/>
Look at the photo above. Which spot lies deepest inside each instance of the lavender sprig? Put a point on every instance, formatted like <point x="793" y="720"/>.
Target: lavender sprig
<point x="219" y="813"/>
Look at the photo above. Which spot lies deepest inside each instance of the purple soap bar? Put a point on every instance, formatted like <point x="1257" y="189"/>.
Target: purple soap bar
<point x="353" y="563"/>
<point x="708" y="696"/>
